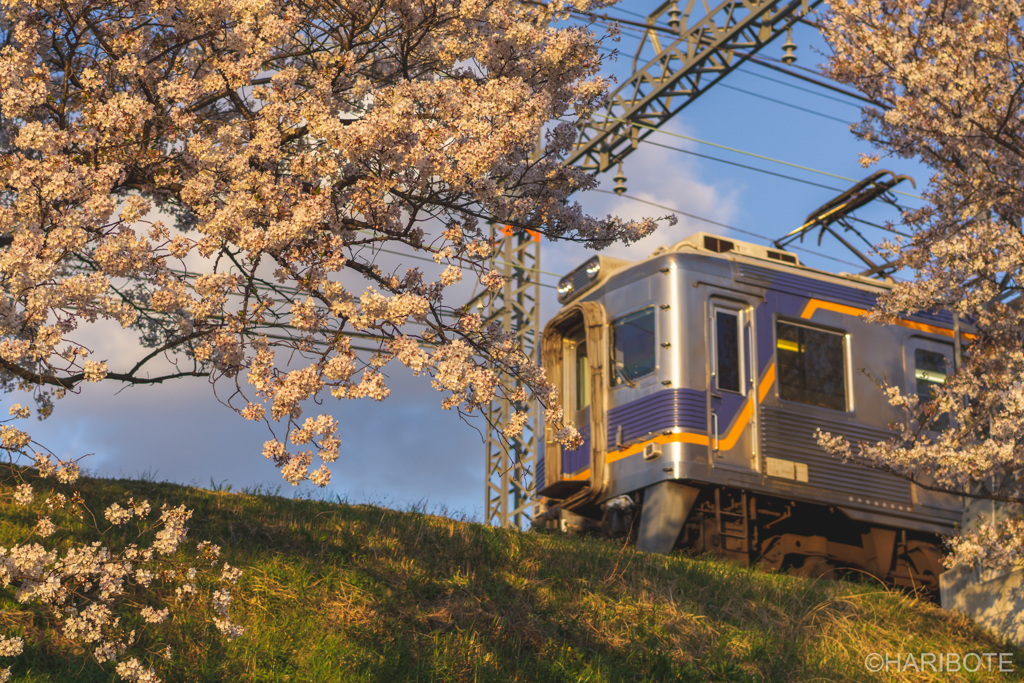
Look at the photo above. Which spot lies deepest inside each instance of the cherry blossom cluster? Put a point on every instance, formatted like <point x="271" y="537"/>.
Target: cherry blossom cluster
<point x="946" y="80"/>
<point x="108" y="595"/>
<point x="221" y="179"/>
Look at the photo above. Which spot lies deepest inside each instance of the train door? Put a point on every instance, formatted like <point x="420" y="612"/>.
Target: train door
<point x="927" y="362"/>
<point x="574" y="349"/>
<point x="732" y="393"/>
<point x="576" y="397"/>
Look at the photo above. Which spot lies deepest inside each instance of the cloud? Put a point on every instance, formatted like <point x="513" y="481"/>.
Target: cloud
<point x="660" y="176"/>
<point x="403" y="451"/>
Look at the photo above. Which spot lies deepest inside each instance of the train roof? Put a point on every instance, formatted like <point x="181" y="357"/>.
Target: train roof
<point x="599" y="268"/>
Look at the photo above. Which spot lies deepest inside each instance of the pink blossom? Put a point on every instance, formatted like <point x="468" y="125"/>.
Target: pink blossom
<point x="23" y="495"/>
<point x="946" y="80"/>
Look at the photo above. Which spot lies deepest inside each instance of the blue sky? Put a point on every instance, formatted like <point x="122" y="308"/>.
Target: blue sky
<point x="407" y="451"/>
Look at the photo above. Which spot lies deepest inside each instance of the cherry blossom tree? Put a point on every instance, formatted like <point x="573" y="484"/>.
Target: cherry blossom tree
<point x="221" y="180"/>
<point x="947" y="80"/>
<point x="222" y="177"/>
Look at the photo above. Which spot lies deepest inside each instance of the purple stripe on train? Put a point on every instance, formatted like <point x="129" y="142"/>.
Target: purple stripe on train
<point x="579" y="459"/>
<point x="659" y="412"/>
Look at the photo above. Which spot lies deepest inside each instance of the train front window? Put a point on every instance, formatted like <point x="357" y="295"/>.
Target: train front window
<point x="727" y="350"/>
<point x="811" y="365"/>
<point x="634" y="345"/>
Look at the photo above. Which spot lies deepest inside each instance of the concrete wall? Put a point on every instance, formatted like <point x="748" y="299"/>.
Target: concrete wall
<point x="994" y="601"/>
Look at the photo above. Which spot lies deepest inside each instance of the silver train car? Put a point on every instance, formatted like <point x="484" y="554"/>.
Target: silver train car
<point x="698" y="378"/>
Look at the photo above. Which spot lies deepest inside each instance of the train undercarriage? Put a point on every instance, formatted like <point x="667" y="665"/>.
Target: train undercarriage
<point x="776" y="534"/>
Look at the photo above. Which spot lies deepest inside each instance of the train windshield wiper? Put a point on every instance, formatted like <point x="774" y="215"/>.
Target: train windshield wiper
<point x="621" y="373"/>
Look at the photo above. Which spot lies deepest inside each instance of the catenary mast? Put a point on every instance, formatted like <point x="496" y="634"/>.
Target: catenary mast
<point x="677" y="61"/>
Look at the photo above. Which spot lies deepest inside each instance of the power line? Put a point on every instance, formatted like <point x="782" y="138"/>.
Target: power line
<point x="784" y="104"/>
<point x="626" y="11"/>
<point x="797" y="87"/>
<point x="682" y="213"/>
<point x="766" y="158"/>
<point x="744" y="166"/>
<point x="771" y="173"/>
<point x="295" y="291"/>
<point x="780" y="175"/>
<point x="767" y="172"/>
<point x="430" y="260"/>
<point x="821" y="84"/>
<point x="730" y="227"/>
<point x="610" y="51"/>
<point x="744" y="152"/>
<point x="739" y="165"/>
<point x="880" y="227"/>
<point x="641" y="30"/>
<point x="423" y="258"/>
<point x="632" y="25"/>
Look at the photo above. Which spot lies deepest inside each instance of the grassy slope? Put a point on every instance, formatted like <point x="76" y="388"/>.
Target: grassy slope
<point x="359" y="593"/>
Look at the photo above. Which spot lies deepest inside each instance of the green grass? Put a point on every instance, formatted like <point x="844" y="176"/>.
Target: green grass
<point x="361" y="593"/>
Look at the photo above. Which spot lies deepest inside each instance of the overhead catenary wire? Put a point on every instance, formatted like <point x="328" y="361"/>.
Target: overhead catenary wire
<point x="295" y="291"/>
<point x="748" y="72"/>
<point x="743" y="166"/>
<point x="746" y="153"/>
<point x="778" y="175"/>
<point x="784" y="104"/>
<point x="616" y="8"/>
<point x="737" y="164"/>
<point x="703" y="219"/>
<point x="682" y="213"/>
<point x="731" y="227"/>
<point x="748" y="167"/>
<point x="430" y="260"/>
<point x="771" y="99"/>
<point x="887" y="228"/>
<point x="766" y="158"/>
<point x="766" y="62"/>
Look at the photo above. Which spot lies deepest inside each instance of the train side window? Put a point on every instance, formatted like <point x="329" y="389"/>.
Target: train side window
<point x="633" y="345"/>
<point x="930" y="368"/>
<point x="582" y="377"/>
<point x="929" y="371"/>
<point x="727" y="350"/>
<point x="811" y="365"/>
<point x="575" y="371"/>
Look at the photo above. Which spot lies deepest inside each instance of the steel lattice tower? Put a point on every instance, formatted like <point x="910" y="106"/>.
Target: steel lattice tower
<point x="510" y="462"/>
<point x="677" y="61"/>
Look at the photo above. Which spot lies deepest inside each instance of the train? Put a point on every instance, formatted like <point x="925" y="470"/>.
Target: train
<point x="698" y="379"/>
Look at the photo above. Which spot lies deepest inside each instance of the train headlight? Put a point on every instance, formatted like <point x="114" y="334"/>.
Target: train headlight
<point x="579" y="280"/>
<point x="564" y="288"/>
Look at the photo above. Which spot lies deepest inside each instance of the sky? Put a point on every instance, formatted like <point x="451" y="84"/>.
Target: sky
<point x="407" y="452"/>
